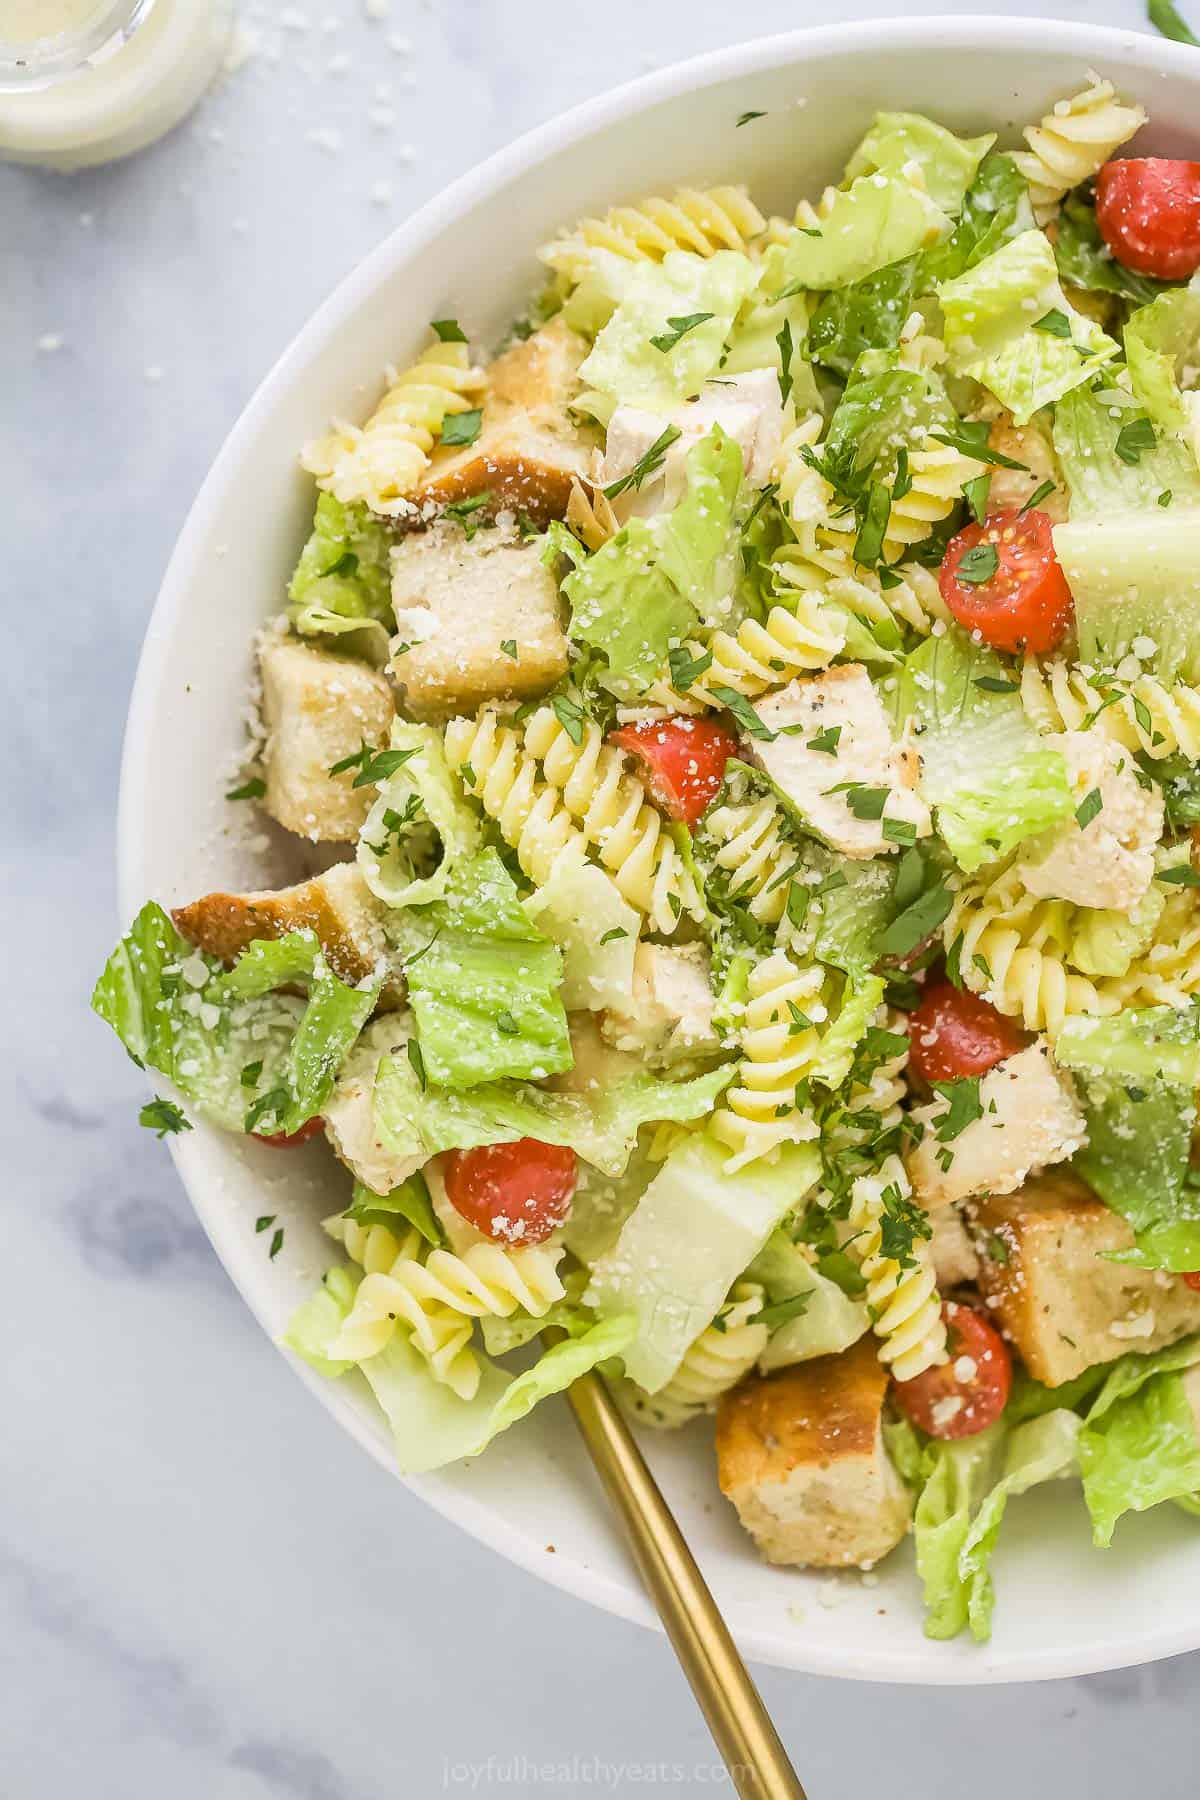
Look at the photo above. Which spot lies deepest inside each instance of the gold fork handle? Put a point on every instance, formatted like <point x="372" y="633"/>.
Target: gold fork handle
<point x="757" y="1762"/>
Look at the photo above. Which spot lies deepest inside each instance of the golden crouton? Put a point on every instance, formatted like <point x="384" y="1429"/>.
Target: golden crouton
<point x="478" y="619"/>
<point x="802" y="1457"/>
<point x="1043" y="1272"/>
<point x="529" y="449"/>
<point x="338" y="906"/>
<point x="318" y="709"/>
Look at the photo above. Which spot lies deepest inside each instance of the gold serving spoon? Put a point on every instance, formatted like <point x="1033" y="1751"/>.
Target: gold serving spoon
<point x="758" y="1764"/>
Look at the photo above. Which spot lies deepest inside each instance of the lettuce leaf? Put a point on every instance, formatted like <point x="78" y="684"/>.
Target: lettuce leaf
<point x="483" y="982"/>
<point x="867" y="315"/>
<point x="602" y="1127"/>
<point x="1161" y="342"/>
<point x="430" y="1425"/>
<point x="994" y="328"/>
<point x="692" y="1233"/>
<point x="948" y="164"/>
<point x="830" y="1321"/>
<point x="1137" y="1075"/>
<point x="1139" y="1444"/>
<point x="988" y="775"/>
<point x="875" y="221"/>
<point x="580" y="908"/>
<point x="626" y="366"/>
<point x="343" y="581"/>
<point x="1044" y="1449"/>
<point x="1102" y="482"/>
<point x="995" y="209"/>
<point x="648" y="587"/>
<point x="230" y="1044"/>
<point x="420" y="818"/>
<point x="883" y="408"/>
<point x="955" y="1475"/>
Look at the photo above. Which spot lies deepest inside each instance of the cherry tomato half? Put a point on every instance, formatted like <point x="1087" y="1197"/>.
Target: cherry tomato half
<point x="1193" y="1279"/>
<point x="514" y="1193"/>
<point x="957" y="1033"/>
<point x="1148" y="211"/>
<point x="1003" y="580"/>
<point x="287" y="1140"/>
<point x="683" y="761"/>
<point x="977" y="1377"/>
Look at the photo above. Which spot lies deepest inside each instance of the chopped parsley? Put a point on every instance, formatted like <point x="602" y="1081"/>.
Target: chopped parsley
<point x="373" y="765"/>
<point x="163" y="1118"/>
<point x="1088" y="807"/>
<point x="978" y="565"/>
<point x="678" y="328"/>
<point x="964" y="1107"/>
<point x="784" y="341"/>
<point x="610" y="937"/>
<point x="417" y="1061"/>
<point x="254" y="789"/>
<point x="996" y="1249"/>
<point x="745" y="118"/>
<point x="996" y="684"/>
<point x="744" y="713"/>
<point x="1055" y="323"/>
<point x="781" y="1312"/>
<point x="975" y="493"/>
<point x="901" y="1223"/>
<point x="570" y="716"/>
<point x="826" y="742"/>
<point x="645" y="465"/>
<point x="463" y="512"/>
<point x="916" y="923"/>
<point x="507" y="1024"/>
<point x="971" y="437"/>
<point x="1183" y="876"/>
<point x="1041" y="492"/>
<point x="686" y="668"/>
<point x="250" y="1074"/>
<point x="1133" y="440"/>
<point x="274" y="1102"/>
<point x="509" y="648"/>
<point x="449" y="331"/>
<point x="462" y="428"/>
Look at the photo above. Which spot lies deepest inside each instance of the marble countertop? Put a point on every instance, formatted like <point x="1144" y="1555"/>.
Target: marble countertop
<point x="207" y="1591"/>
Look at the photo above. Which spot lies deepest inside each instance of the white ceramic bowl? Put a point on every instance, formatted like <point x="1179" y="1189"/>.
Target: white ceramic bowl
<point x="1063" y="1608"/>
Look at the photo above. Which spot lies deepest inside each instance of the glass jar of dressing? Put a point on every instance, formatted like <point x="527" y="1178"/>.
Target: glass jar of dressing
<point x="86" y="81"/>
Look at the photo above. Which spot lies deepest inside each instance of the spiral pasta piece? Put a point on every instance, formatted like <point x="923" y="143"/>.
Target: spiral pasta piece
<point x="494" y="765"/>
<point x="1167" y="973"/>
<point x="614" y="815"/>
<point x="873" y="1108"/>
<point x="755" y="853"/>
<point x="1142" y="715"/>
<point x="702" y="220"/>
<point x="1014" y="950"/>
<point x="437" y="1298"/>
<point x="383" y="461"/>
<point x="1072" y="142"/>
<point x="590" y="515"/>
<point x="760" y="1111"/>
<point x="817" y="565"/>
<point x="714" y="1362"/>
<point x="938" y="474"/>
<point x="757" y="657"/>
<point x="904" y="1303"/>
<point x="374" y="1247"/>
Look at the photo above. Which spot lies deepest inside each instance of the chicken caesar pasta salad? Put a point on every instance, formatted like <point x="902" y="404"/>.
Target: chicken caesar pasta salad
<point x="753" y="725"/>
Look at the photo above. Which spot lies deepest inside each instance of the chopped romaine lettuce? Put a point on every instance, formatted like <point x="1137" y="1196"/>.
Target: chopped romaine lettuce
<point x="1104" y="942"/>
<point x="1085" y="261"/>
<point x="883" y="409"/>
<point x="989" y="777"/>
<point x="830" y="1320"/>
<point x="1139" y="1444"/>
<point x="646" y="589"/>
<point x="483" y="982"/>
<point x="1044" y="1449"/>
<point x="409" y="1201"/>
<point x="343" y="581"/>
<point x="955" y="1475"/>
<point x="998" y="317"/>
<point x="1137" y="1074"/>
<point x="897" y="140"/>
<point x="581" y="908"/>
<point x="420" y="821"/>
<point x="687" y="1241"/>
<point x="868" y="315"/>
<point x="626" y="366"/>
<point x="249" y="1058"/>
<point x="996" y="208"/>
<point x="1162" y="341"/>
<point x="877" y="220"/>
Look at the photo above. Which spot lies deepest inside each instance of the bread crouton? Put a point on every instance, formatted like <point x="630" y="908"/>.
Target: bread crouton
<point x="1030" y="1119"/>
<point x="529" y="449"/>
<point x="1043" y="1273"/>
<point x="478" y="619"/>
<point x="954" y="1259"/>
<point x="842" y="702"/>
<point x="318" y="709"/>
<point x="338" y="906"/>
<point x="802" y="1457"/>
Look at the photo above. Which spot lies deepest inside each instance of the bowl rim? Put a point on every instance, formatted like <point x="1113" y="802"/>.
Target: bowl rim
<point x="926" y="1664"/>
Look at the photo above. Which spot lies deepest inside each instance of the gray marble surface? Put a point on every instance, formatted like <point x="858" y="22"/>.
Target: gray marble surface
<point x="206" y="1591"/>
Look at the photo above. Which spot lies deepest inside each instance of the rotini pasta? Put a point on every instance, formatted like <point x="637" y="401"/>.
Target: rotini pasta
<point x="716" y="1361"/>
<point x="779" y="1041"/>
<point x="383" y="461"/>
<point x="814" y="565"/>
<point x="437" y="1298"/>
<point x="590" y="516"/>
<point x="492" y="762"/>
<point x="374" y="1247"/>
<point x="1143" y="714"/>
<point x="1014" y="949"/>
<point x="755" y="854"/>
<point x="904" y="1303"/>
<point x="1167" y="973"/>
<point x="804" y="494"/>
<point x="700" y="220"/>
<point x="1072" y="142"/>
<point x="938" y="474"/>
<point x="615" y="816"/>
<point x="791" y="641"/>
